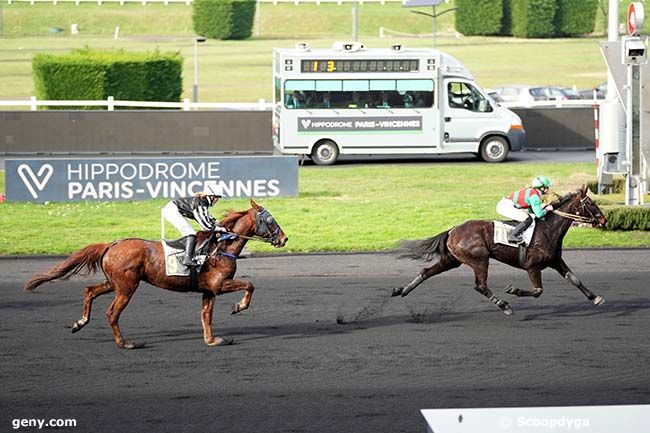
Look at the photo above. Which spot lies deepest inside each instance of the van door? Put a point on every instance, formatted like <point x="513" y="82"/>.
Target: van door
<point x="467" y="115"/>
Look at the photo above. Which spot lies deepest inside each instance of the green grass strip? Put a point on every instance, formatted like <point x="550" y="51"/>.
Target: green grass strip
<point x="341" y="208"/>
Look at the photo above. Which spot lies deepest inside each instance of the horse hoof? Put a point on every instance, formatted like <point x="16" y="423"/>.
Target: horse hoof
<point x="396" y="292"/>
<point x="508" y="311"/>
<point x="77" y="326"/>
<point x="510" y="289"/>
<point x="220" y="342"/>
<point x="598" y="300"/>
<point x="128" y="345"/>
<point x="236" y="309"/>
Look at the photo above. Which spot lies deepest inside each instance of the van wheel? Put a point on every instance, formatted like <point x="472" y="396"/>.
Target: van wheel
<point x="325" y="153"/>
<point x="494" y="149"/>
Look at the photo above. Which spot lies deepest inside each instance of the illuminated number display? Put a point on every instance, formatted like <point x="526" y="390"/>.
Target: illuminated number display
<point x="363" y="65"/>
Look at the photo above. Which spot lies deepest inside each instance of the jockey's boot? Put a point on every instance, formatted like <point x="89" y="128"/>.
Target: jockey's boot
<point x="188" y="258"/>
<point x="515" y="235"/>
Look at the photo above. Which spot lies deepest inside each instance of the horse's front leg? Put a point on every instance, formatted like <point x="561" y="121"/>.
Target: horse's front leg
<point x="535" y="276"/>
<point x="564" y="270"/>
<point x="207" y="309"/>
<point x="234" y="286"/>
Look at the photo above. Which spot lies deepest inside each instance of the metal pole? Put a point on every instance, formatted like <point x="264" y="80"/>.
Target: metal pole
<point x="195" y="90"/>
<point x="434" y="26"/>
<point x="355" y="21"/>
<point x="605" y="180"/>
<point x="612" y="36"/>
<point x="257" y="18"/>
<point x="628" y="137"/>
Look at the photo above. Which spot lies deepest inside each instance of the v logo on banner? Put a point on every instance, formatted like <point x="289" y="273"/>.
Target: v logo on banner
<point x="32" y="180"/>
<point x="305" y="123"/>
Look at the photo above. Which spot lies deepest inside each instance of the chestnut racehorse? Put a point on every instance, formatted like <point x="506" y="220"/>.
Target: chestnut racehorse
<point x="126" y="262"/>
<point x="472" y="243"/>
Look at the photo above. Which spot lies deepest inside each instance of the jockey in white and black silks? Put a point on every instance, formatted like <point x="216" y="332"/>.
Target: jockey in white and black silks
<point x="196" y="208"/>
<point x="524" y="205"/>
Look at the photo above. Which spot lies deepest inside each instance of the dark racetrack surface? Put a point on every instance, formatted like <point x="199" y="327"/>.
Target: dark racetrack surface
<point x="293" y="368"/>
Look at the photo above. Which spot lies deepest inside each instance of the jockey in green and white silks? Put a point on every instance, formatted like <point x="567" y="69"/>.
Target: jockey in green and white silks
<point x="196" y="208"/>
<point x="519" y="204"/>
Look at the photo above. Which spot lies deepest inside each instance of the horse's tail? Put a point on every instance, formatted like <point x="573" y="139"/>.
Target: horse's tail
<point x="87" y="259"/>
<point x="431" y="249"/>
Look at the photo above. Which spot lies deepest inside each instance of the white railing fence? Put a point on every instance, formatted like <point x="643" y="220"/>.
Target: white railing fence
<point x="166" y="2"/>
<point x="110" y="103"/>
<point x="33" y="103"/>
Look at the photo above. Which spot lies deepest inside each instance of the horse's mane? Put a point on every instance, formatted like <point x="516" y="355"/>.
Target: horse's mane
<point x="232" y="217"/>
<point x="564" y="199"/>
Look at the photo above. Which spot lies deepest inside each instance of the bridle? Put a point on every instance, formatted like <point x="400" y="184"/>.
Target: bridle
<point x="265" y="230"/>
<point x="591" y="219"/>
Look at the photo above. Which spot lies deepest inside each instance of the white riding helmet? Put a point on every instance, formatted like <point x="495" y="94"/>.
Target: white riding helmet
<point x="213" y="189"/>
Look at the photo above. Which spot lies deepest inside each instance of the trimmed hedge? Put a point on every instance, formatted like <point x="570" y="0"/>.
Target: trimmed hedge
<point x="533" y="18"/>
<point x="479" y="17"/>
<point x="92" y="74"/>
<point x="223" y="19"/>
<point x="627" y="217"/>
<point x="574" y="18"/>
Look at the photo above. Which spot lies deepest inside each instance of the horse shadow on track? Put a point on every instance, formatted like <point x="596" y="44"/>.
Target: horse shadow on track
<point x="580" y="309"/>
<point x="302" y="330"/>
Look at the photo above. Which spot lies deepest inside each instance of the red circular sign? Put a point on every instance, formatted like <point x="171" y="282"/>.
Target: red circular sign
<point x="635" y="15"/>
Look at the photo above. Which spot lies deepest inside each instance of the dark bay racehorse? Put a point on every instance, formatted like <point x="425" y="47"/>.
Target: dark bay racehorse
<point x="472" y="243"/>
<point x="126" y="262"/>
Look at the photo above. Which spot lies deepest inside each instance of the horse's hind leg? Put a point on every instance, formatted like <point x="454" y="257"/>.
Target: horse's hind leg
<point x="480" y="279"/>
<point x="120" y="302"/>
<point x="90" y="293"/>
<point x="535" y="276"/>
<point x="446" y="263"/>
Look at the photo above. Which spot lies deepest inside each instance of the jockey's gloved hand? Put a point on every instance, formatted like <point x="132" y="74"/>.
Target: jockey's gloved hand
<point x="220" y="229"/>
<point x="548" y="208"/>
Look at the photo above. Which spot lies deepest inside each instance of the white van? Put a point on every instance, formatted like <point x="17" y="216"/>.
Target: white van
<point x="352" y="100"/>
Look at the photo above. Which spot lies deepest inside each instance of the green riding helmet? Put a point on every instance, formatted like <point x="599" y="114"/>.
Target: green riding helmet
<point x="541" y="181"/>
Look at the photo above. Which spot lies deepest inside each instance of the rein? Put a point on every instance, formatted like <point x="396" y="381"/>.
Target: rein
<point x="578" y="218"/>
<point x="251" y="238"/>
<point x="575" y="217"/>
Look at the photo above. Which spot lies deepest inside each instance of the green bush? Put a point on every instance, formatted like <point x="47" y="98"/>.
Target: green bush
<point x="96" y="75"/>
<point x="575" y="18"/>
<point x="479" y="17"/>
<point x="533" y="18"/>
<point x="223" y="19"/>
<point x="618" y="185"/>
<point x="627" y="217"/>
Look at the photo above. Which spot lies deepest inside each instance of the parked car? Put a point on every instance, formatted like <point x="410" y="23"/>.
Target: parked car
<point x="551" y="93"/>
<point x="516" y="93"/>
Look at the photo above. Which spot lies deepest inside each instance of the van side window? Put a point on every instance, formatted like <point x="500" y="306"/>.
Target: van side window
<point x="465" y="96"/>
<point x="359" y="94"/>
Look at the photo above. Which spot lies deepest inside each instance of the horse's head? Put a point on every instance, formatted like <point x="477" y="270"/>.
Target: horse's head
<point x="267" y="227"/>
<point x="582" y="206"/>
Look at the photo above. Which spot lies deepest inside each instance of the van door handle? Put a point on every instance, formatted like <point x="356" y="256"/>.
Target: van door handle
<point x="447" y="119"/>
<point x="446" y="136"/>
